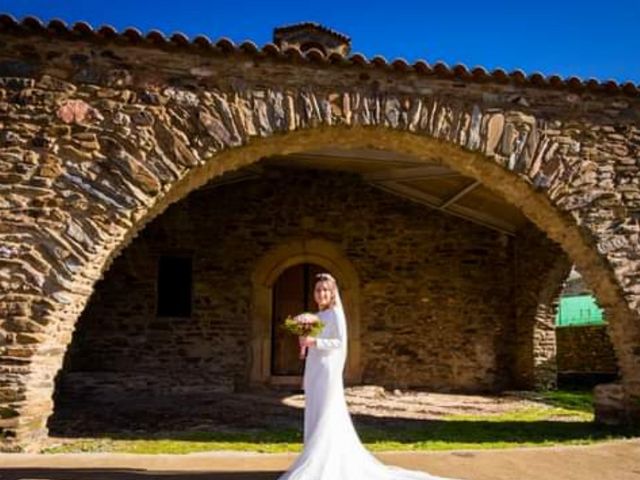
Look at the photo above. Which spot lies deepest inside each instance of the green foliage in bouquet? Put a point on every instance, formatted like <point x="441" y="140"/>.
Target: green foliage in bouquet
<point x="311" y="327"/>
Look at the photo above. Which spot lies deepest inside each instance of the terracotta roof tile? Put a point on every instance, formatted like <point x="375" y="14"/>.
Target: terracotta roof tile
<point x="157" y="39"/>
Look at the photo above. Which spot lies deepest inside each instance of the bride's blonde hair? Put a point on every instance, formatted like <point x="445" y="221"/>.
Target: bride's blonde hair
<point x="333" y="285"/>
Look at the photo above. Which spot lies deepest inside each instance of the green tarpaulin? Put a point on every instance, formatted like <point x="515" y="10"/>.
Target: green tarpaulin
<point x="579" y="310"/>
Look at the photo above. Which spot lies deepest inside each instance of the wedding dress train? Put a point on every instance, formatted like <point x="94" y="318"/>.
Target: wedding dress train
<point x="332" y="449"/>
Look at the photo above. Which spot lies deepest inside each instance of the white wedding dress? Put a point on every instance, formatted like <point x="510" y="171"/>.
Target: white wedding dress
<point x="332" y="448"/>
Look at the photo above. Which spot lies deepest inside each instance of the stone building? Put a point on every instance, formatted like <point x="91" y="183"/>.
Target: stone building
<point x="166" y="201"/>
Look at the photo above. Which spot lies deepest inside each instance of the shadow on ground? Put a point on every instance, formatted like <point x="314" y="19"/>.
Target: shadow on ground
<point x="411" y="432"/>
<point x="126" y="474"/>
<point x="264" y="418"/>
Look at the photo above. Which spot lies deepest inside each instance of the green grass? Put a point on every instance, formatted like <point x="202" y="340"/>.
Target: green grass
<point x="439" y="435"/>
<point x="563" y="418"/>
<point x="531" y="414"/>
<point x="266" y="441"/>
<point x="579" y="400"/>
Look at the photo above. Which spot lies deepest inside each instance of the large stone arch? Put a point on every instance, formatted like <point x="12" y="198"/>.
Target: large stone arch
<point x="88" y="160"/>
<point x="303" y="250"/>
<point x="557" y="225"/>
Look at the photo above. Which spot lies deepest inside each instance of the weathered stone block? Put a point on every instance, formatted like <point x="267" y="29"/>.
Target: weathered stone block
<point x="609" y="404"/>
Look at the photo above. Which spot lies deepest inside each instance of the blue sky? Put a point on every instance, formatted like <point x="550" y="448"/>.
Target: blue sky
<point x="582" y="38"/>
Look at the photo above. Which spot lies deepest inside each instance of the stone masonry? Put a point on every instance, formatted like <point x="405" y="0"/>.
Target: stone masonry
<point x="541" y="268"/>
<point x="100" y="132"/>
<point x="435" y="306"/>
<point x="585" y="349"/>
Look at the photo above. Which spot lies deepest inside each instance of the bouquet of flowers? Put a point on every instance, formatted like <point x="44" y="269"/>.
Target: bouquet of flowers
<point x="303" y="325"/>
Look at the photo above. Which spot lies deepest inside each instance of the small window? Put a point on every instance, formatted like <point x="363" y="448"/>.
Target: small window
<point x="174" y="286"/>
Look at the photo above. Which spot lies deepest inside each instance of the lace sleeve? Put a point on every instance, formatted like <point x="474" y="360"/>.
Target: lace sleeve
<point x="335" y="335"/>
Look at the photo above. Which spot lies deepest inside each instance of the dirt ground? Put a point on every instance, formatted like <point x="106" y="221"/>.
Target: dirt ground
<point x="369" y="405"/>
<point x="618" y="460"/>
<point x="378" y="402"/>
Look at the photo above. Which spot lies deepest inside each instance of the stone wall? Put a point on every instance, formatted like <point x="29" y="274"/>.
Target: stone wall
<point x="434" y="301"/>
<point x="541" y="268"/>
<point x="585" y="349"/>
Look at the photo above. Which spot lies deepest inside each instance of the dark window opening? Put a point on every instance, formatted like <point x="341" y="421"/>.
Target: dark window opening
<point x="174" y="286"/>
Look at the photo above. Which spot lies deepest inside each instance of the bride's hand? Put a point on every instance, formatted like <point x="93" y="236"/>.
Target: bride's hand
<point x="307" y="341"/>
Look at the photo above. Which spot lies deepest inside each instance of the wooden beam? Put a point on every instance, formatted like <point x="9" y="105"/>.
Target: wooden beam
<point x="460" y="194"/>
<point x="411" y="173"/>
<point x="476" y="216"/>
<point x="406" y="192"/>
<point x="364" y="154"/>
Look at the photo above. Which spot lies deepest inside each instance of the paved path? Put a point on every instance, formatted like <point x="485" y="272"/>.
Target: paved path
<point x="617" y="460"/>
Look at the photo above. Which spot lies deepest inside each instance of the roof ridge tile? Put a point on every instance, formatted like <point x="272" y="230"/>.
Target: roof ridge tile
<point x="158" y="39"/>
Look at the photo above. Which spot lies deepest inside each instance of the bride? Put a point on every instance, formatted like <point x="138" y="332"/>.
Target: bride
<point x="332" y="449"/>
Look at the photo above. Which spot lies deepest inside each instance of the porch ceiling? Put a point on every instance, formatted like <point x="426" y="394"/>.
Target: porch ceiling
<point x="431" y="184"/>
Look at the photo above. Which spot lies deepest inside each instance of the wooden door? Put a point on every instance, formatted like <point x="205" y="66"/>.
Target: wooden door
<point x="292" y="294"/>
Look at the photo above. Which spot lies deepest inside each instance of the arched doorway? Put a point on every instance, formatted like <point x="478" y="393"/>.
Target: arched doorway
<point x="292" y="294"/>
<point x="282" y="283"/>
